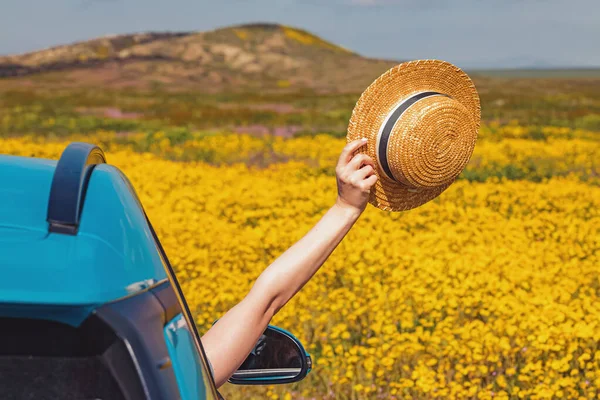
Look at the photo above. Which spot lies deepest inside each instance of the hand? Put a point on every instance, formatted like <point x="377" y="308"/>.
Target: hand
<point x="356" y="176"/>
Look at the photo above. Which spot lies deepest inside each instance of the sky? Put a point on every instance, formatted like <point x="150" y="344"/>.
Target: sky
<point x="468" y="33"/>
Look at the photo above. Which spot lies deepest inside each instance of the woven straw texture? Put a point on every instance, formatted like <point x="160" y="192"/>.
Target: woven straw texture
<point x="432" y="141"/>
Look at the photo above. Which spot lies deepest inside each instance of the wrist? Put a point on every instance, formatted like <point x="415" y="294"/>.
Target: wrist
<point x="345" y="210"/>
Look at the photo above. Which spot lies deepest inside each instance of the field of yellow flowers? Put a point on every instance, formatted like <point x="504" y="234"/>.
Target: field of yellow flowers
<point x="491" y="291"/>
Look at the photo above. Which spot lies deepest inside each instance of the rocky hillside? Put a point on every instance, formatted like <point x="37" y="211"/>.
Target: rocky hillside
<point x="240" y="58"/>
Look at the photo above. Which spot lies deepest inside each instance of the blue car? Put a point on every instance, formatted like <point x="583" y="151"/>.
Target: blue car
<point x="90" y="307"/>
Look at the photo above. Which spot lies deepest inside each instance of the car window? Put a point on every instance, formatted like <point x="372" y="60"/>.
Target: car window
<point x="206" y="371"/>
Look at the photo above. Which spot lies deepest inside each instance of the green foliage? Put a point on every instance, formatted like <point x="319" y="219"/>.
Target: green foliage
<point x="589" y="122"/>
<point x="177" y="124"/>
<point x="572" y="103"/>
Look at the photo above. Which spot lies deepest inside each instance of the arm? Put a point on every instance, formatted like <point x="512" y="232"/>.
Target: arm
<point x="230" y="340"/>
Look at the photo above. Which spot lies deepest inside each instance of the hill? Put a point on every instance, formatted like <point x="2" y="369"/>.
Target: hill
<point x="238" y="58"/>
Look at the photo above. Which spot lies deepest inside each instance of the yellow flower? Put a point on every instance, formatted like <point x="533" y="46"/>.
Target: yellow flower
<point x="490" y="286"/>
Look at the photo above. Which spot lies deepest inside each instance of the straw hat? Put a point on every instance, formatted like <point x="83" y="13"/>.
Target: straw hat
<point x="421" y="120"/>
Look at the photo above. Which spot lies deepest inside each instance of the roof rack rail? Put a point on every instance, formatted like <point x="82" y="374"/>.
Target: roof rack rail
<point x="69" y="185"/>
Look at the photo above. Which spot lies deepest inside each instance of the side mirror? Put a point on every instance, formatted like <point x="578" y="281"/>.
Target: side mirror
<point x="277" y="358"/>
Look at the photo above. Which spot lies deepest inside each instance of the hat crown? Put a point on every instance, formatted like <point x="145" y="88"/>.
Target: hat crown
<point x="431" y="142"/>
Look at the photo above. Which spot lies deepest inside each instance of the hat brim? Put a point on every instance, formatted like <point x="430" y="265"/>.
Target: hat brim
<point x="380" y="98"/>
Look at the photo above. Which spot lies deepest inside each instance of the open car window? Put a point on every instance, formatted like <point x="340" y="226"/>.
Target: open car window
<point x="206" y="372"/>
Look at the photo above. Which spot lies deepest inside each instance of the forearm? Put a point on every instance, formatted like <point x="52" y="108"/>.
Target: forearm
<point x="230" y="340"/>
<point x="289" y="273"/>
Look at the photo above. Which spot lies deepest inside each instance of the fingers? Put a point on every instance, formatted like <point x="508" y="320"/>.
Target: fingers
<point x="363" y="172"/>
<point x="349" y="150"/>
<point x="364" y="178"/>
<point x="357" y="170"/>
<point x="369" y="182"/>
<point x="359" y="160"/>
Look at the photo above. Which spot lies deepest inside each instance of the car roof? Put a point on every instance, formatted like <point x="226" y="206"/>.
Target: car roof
<point x="113" y="254"/>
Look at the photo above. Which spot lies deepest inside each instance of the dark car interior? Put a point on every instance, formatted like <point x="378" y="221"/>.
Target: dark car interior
<point x="50" y="360"/>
